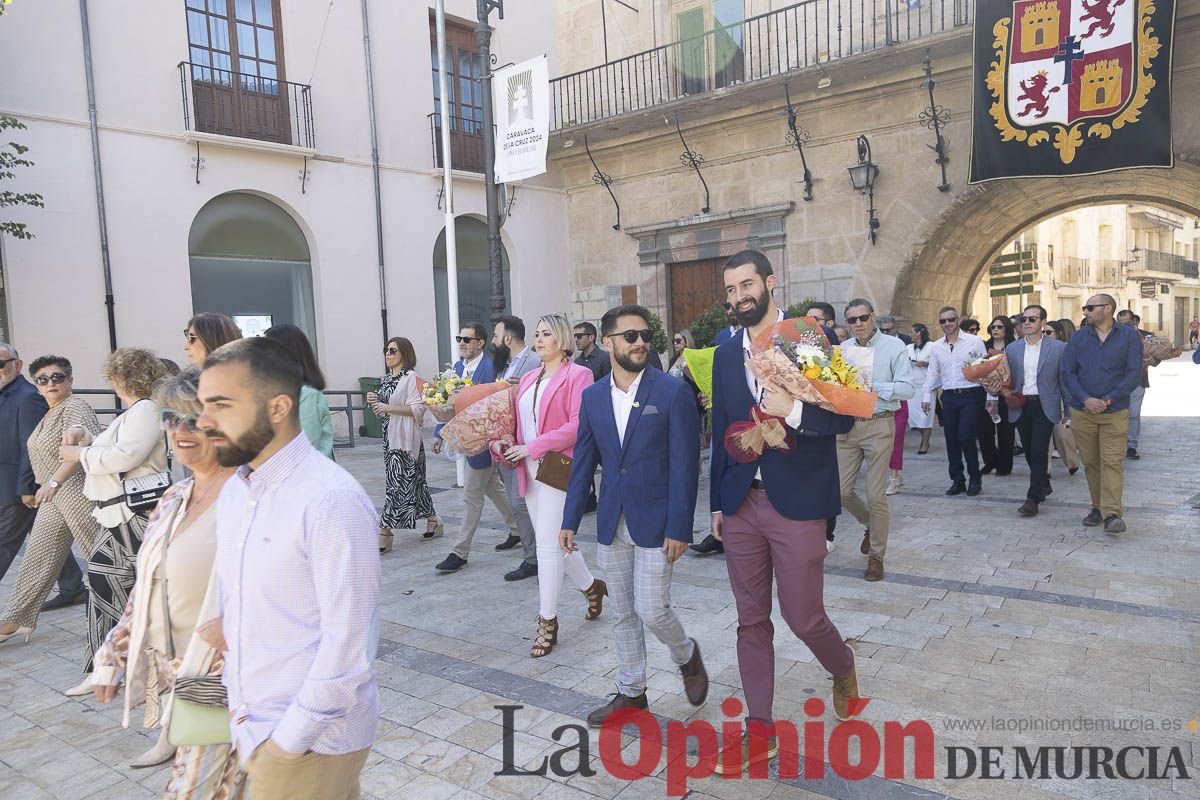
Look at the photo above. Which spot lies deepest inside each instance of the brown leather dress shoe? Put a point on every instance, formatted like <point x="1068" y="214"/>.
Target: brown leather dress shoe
<point x="1028" y="509"/>
<point x="865" y="547"/>
<point x="844" y="690"/>
<point x="618" y="701"/>
<point x="695" y="677"/>
<point x="874" y="569"/>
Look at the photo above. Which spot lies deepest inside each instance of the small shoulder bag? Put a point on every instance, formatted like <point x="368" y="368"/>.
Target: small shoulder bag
<point x="554" y="469"/>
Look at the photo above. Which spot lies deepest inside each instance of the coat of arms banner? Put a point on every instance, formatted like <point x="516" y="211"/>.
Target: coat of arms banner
<point x="1071" y="87"/>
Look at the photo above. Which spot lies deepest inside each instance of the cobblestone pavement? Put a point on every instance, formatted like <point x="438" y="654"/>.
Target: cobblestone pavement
<point x="983" y="616"/>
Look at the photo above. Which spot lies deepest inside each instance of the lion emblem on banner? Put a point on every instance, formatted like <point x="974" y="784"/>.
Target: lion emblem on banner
<point x="1068" y="70"/>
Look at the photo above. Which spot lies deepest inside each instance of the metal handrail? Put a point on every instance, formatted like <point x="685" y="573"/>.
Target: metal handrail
<point x="1158" y="261"/>
<point x="466" y="142"/>
<point x="349" y="407"/>
<point x="260" y="108"/>
<point x="801" y="35"/>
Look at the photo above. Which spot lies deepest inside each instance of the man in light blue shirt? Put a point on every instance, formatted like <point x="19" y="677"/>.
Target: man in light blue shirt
<point x="297" y="571"/>
<point x="873" y="439"/>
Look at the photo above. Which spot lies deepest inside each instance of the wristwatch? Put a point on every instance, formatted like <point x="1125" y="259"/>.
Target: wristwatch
<point x="53" y="484"/>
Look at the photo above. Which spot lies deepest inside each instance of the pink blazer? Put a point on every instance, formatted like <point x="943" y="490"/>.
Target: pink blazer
<point x="557" y="414"/>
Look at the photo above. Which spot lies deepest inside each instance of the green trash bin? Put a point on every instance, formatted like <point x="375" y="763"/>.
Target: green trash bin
<point x="371" y="426"/>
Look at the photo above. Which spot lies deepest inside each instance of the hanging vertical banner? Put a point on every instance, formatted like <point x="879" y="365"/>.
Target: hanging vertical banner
<point x="521" y="99"/>
<point x="1071" y="87"/>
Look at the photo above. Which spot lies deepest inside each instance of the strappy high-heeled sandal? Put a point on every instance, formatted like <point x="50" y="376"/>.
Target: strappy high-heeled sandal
<point x="595" y="595"/>
<point x="547" y="637"/>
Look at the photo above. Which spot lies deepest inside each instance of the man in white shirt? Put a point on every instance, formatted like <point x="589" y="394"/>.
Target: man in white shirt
<point x="1034" y="362"/>
<point x="962" y="401"/>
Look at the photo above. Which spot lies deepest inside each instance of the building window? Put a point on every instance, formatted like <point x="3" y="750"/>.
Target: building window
<point x="709" y="53"/>
<point x="236" y="51"/>
<point x="465" y="100"/>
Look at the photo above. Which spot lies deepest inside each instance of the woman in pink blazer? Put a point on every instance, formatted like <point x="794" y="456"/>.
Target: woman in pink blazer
<point x="547" y="412"/>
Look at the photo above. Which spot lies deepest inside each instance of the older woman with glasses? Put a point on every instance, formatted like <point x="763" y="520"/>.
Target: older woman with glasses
<point x="398" y="404"/>
<point x="132" y="446"/>
<point x="63" y="513"/>
<point x="165" y="618"/>
<point x="205" y="333"/>
<point x="547" y="412"/>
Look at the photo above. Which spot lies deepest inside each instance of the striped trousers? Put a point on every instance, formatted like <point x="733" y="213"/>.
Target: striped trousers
<point x="111" y="570"/>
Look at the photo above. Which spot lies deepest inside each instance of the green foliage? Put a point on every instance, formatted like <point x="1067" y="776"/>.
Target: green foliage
<point x="10" y="159"/>
<point x="798" y="309"/>
<point x="705" y="327"/>
<point x="658" y="333"/>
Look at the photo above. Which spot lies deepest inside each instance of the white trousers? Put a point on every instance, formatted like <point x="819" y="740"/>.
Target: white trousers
<point x="546" y="512"/>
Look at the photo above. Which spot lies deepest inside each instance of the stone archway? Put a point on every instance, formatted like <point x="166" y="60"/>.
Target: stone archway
<point x="981" y="220"/>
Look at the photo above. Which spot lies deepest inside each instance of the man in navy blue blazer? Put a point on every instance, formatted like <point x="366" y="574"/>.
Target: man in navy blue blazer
<point x="771" y="512"/>
<point x="642" y="426"/>
<point x="482" y="473"/>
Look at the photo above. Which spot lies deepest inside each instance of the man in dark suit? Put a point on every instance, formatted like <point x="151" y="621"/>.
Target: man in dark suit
<point x="642" y="425"/>
<point x="1034" y="362"/>
<point x="21" y="409"/>
<point x="482" y="478"/>
<point x="771" y="512"/>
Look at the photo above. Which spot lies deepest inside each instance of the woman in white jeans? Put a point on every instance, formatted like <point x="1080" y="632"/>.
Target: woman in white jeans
<point x="547" y="411"/>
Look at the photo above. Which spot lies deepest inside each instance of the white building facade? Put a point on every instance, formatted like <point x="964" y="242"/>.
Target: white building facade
<point x="235" y="150"/>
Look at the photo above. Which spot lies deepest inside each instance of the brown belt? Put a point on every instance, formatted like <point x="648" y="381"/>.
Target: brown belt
<point x="882" y="414"/>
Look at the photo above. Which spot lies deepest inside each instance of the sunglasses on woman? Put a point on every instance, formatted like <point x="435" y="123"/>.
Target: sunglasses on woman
<point x="1048" y="331"/>
<point x="391" y="351"/>
<point x="190" y="337"/>
<point x="632" y="336"/>
<point x="54" y="377"/>
<point x="171" y="421"/>
<point x="677" y="340"/>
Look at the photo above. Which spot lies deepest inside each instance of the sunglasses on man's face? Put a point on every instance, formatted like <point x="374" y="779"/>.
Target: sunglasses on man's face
<point x="859" y="318"/>
<point x="1029" y="320"/>
<point x="947" y="320"/>
<point x="4" y="362"/>
<point x="171" y="420"/>
<point x="1090" y="306"/>
<point x="464" y="339"/>
<point x="54" y="377"/>
<point x="632" y="336"/>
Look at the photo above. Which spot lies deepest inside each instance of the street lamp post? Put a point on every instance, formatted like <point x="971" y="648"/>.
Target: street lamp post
<point x="483" y="45"/>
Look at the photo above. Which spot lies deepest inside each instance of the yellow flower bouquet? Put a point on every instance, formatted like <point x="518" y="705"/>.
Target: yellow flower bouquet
<point x="438" y="395"/>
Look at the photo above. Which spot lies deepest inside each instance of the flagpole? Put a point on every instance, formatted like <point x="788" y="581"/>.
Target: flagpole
<point x="448" y="193"/>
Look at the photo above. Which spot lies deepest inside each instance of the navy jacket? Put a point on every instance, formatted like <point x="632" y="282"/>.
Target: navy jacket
<point x="484" y="373"/>
<point x="653" y="478"/>
<point x="1108" y="370"/>
<point x="21" y="409"/>
<point x="802" y="485"/>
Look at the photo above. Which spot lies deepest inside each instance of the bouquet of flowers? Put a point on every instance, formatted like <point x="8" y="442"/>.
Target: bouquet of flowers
<point x="438" y="395"/>
<point x="795" y="357"/>
<point x="992" y="373"/>
<point x="484" y="412"/>
<point x="1159" y="348"/>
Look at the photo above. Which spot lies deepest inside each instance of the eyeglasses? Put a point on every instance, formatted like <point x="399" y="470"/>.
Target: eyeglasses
<point x="997" y="327"/>
<point x="859" y="318"/>
<point x="1030" y="320"/>
<point x="171" y="420"/>
<point x="1088" y="308"/>
<point x="191" y="337"/>
<point x="4" y="362"/>
<point x="462" y="339"/>
<point x="582" y="335"/>
<point x="1048" y="331"/>
<point x="632" y="336"/>
<point x="54" y="377"/>
<point x="677" y="340"/>
<point x="392" y="351"/>
<point x="947" y="320"/>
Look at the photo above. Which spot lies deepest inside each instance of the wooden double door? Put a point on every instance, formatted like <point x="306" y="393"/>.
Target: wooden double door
<point x="695" y="286"/>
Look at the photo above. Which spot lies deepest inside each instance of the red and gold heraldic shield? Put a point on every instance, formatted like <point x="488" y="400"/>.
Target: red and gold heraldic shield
<point x="1071" y="87"/>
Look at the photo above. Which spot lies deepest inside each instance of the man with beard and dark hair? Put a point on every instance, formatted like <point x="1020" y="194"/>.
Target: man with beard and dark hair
<point x="512" y="359"/>
<point x="643" y="426"/>
<point x="771" y="513"/>
<point x="298" y="574"/>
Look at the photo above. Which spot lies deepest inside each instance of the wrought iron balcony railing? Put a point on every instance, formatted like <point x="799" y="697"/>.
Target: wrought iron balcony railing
<point x="801" y="35"/>
<point x="466" y="141"/>
<point x="248" y="106"/>
<point x="1157" y="261"/>
<point x="1072" y="271"/>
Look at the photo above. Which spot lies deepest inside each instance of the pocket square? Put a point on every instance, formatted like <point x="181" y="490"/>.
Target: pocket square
<point x="650" y="410"/>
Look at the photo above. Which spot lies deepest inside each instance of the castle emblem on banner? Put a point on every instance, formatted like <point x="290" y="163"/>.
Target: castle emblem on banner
<point x="1069" y="72"/>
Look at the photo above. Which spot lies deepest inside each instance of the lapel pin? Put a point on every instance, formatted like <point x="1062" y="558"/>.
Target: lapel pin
<point x="636" y="404"/>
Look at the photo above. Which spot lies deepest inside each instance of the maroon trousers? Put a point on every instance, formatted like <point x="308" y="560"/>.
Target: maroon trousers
<point x="761" y="544"/>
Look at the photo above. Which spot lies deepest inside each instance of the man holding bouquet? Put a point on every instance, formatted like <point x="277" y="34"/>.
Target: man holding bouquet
<point x="642" y="426"/>
<point x="873" y="439"/>
<point x="1033" y="362"/>
<point x="771" y="512"/>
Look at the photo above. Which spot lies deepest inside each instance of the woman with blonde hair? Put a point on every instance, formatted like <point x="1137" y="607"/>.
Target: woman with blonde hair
<point x="547" y="412"/>
<point x="132" y="446"/>
<point x="156" y="641"/>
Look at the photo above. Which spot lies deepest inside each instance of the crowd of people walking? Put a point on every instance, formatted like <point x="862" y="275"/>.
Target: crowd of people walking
<point x="233" y="567"/>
